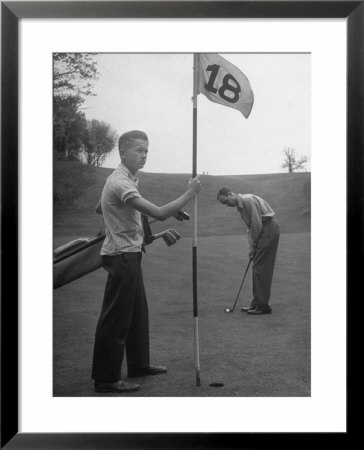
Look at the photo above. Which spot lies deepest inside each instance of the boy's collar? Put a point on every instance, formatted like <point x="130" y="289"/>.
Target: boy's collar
<point x="123" y="167"/>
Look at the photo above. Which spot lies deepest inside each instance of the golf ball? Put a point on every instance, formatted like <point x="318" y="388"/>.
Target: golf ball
<point x="227" y="310"/>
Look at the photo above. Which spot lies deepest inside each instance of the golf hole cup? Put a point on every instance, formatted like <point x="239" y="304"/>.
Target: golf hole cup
<point x="216" y="384"/>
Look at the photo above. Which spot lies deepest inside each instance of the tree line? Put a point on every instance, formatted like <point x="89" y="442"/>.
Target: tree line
<point x="75" y="137"/>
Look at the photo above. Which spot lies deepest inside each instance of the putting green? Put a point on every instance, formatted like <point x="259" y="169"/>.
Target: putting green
<point x="252" y="356"/>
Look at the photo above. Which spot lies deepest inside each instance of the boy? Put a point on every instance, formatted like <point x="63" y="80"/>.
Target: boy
<point x="123" y="322"/>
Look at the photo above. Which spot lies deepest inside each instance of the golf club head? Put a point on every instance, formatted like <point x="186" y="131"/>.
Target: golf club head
<point x="175" y="233"/>
<point x="169" y="238"/>
<point x="182" y="215"/>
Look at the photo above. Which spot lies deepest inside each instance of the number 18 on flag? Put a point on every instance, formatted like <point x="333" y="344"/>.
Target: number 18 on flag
<point x="222" y="82"/>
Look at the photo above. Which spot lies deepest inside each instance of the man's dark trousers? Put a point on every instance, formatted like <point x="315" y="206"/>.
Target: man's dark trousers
<point x="263" y="265"/>
<point x="123" y="321"/>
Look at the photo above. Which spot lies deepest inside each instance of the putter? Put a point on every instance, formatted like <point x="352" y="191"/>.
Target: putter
<point x="230" y="310"/>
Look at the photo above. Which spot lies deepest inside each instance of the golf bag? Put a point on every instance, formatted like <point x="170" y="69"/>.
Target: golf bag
<point x="76" y="259"/>
<point x="82" y="256"/>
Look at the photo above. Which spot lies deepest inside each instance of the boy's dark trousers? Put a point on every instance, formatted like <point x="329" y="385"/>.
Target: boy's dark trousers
<point x="123" y="321"/>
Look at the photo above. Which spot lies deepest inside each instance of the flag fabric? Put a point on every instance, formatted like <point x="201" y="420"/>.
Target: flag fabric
<point x="222" y="82"/>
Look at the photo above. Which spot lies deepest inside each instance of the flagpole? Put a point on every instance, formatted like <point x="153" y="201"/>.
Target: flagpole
<point x="194" y="241"/>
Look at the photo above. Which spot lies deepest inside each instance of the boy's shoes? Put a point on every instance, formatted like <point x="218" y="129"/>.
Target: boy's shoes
<point x="257" y="312"/>
<point x="116" y="386"/>
<point x="150" y="370"/>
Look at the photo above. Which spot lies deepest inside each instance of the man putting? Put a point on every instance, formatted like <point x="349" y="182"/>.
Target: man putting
<point x="263" y="237"/>
<point x="123" y="323"/>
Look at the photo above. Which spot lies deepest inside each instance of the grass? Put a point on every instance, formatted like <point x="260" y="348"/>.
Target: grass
<point x="253" y="356"/>
<point x="263" y="356"/>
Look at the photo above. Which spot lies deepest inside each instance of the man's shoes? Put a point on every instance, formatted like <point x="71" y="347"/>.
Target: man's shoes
<point x="257" y="312"/>
<point x="150" y="370"/>
<point x="117" y="386"/>
<point x="247" y="308"/>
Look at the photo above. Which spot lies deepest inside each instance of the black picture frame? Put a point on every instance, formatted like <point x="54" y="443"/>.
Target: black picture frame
<point x="11" y="12"/>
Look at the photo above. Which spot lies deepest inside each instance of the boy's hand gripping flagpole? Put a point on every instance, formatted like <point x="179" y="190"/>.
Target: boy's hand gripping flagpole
<point x="194" y="241"/>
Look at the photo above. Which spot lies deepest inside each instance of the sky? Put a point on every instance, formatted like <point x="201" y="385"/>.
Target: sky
<point x="153" y="92"/>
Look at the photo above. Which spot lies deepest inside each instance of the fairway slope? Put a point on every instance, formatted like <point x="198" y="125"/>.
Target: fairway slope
<point x="77" y="188"/>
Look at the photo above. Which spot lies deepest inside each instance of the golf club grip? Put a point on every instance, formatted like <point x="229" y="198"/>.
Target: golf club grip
<point x="157" y="235"/>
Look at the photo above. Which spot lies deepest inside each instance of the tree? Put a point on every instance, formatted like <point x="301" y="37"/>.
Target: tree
<point x="99" y="141"/>
<point x="73" y="74"/>
<point x="291" y="162"/>
<point x="69" y="127"/>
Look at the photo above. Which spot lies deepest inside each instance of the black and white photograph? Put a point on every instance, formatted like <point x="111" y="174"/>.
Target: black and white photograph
<point x="182" y="224"/>
<point x="175" y="183"/>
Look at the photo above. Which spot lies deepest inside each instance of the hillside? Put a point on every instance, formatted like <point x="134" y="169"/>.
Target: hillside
<point x="77" y="188"/>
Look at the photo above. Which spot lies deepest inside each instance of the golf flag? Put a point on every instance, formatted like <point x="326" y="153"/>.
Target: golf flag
<point x="222" y="82"/>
